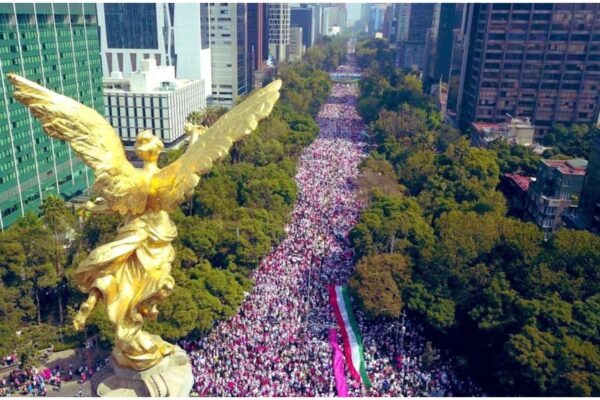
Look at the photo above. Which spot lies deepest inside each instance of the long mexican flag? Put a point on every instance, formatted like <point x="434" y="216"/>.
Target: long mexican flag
<point x="353" y="346"/>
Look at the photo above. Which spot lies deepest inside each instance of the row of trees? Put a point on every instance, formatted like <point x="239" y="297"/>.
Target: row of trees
<point x="572" y="141"/>
<point x="519" y="312"/>
<point x="236" y="214"/>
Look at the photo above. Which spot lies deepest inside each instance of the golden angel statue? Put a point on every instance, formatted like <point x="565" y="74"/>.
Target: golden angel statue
<point x="131" y="274"/>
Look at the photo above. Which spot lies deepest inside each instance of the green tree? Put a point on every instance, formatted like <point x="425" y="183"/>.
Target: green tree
<point x="572" y="141"/>
<point x="59" y="220"/>
<point x="521" y="311"/>
<point x="413" y="83"/>
<point x="515" y="158"/>
<point x="208" y="116"/>
<point x="419" y="166"/>
<point x="391" y="225"/>
<point x="378" y="281"/>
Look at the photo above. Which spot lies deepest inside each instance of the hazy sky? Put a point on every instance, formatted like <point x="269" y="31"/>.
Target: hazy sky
<point x="353" y="11"/>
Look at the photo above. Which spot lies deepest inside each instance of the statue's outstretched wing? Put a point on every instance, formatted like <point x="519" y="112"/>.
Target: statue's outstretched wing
<point x="178" y="179"/>
<point x="92" y="138"/>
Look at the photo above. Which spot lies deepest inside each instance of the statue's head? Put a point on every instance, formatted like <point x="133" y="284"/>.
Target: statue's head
<point x="148" y="147"/>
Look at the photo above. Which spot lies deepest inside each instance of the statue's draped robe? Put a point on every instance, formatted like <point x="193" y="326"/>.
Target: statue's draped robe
<point x="133" y="273"/>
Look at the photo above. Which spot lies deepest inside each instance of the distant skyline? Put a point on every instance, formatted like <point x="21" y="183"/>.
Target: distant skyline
<point x="353" y="12"/>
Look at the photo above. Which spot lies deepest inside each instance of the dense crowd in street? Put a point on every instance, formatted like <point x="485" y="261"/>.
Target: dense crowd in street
<point x="37" y="381"/>
<point x="277" y="343"/>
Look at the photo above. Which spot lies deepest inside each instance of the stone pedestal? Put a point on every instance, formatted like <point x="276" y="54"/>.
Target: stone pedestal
<point x="172" y="377"/>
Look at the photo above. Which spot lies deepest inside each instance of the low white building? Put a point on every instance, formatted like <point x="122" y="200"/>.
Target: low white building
<point x="513" y="130"/>
<point x="151" y="99"/>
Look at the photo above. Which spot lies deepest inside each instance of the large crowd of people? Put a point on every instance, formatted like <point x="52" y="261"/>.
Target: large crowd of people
<point x="277" y="344"/>
<point x="37" y="381"/>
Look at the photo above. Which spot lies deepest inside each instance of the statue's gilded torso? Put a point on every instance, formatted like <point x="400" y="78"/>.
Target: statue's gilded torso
<point x="131" y="274"/>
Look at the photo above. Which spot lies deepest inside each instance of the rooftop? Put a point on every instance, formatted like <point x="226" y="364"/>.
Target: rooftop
<point x="577" y="163"/>
<point x="521" y="181"/>
<point x="510" y="121"/>
<point x="575" y="166"/>
<point x="149" y="79"/>
<point x="489" y="126"/>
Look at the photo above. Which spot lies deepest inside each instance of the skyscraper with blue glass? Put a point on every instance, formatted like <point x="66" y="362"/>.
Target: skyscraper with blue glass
<point x="57" y="46"/>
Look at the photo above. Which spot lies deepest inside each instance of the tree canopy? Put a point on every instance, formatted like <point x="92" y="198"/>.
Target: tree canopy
<point x="235" y="216"/>
<point x="520" y="310"/>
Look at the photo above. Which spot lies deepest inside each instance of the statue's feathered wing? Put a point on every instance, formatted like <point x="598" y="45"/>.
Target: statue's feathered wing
<point x="92" y="138"/>
<point x="176" y="180"/>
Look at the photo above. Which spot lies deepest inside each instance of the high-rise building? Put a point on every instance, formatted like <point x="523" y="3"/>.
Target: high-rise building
<point x="539" y="60"/>
<point x="362" y="25"/>
<point x="589" y="205"/>
<point x="279" y="30"/>
<point x="389" y="21"/>
<point x="57" y="46"/>
<point x="133" y="32"/>
<point x="317" y="20"/>
<point x="456" y="62"/>
<point x="376" y="16"/>
<point x="190" y="31"/>
<point x="295" y="48"/>
<point x="257" y="39"/>
<point x="303" y="17"/>
<point x="333" y="19"/>
<point x="458" y="40"/>
<point x="402" y="19"/>
<point x="413" y="50"/>
<point x="450" y="18"/>
<point x="431" y="46"/>
<point x="228" y="46"/>
<point x="151" y="99"/>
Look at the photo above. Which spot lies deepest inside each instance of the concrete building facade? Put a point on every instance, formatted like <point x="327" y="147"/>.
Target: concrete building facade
<point x="540" y="61"/>
<point x="555" y="192"/>
<point x="176" y="34"/>
<point x="589" y="205"/>
<point x="420" y="36"/>
<point x="257" y="40"/>
<point x="229" y="58"/>
<point x="303" y="17"/>
<point x="190" y="32"/>
<point x="279" y="30"/>
<point x="295" y="48"/>
<point x="512" y="130"/>
<point x="151" y="99"/>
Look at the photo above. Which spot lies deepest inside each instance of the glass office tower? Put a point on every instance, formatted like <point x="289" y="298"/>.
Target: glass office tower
<point x="57" y="46"/>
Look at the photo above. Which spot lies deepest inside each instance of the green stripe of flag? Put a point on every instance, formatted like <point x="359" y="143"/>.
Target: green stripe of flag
<point x="354" y="326"/>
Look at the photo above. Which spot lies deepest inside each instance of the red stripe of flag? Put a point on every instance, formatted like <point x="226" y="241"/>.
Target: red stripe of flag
<point x="340" y="321"/>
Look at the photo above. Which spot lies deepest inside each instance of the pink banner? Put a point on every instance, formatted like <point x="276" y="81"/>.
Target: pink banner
<point x="338" y="365"/>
